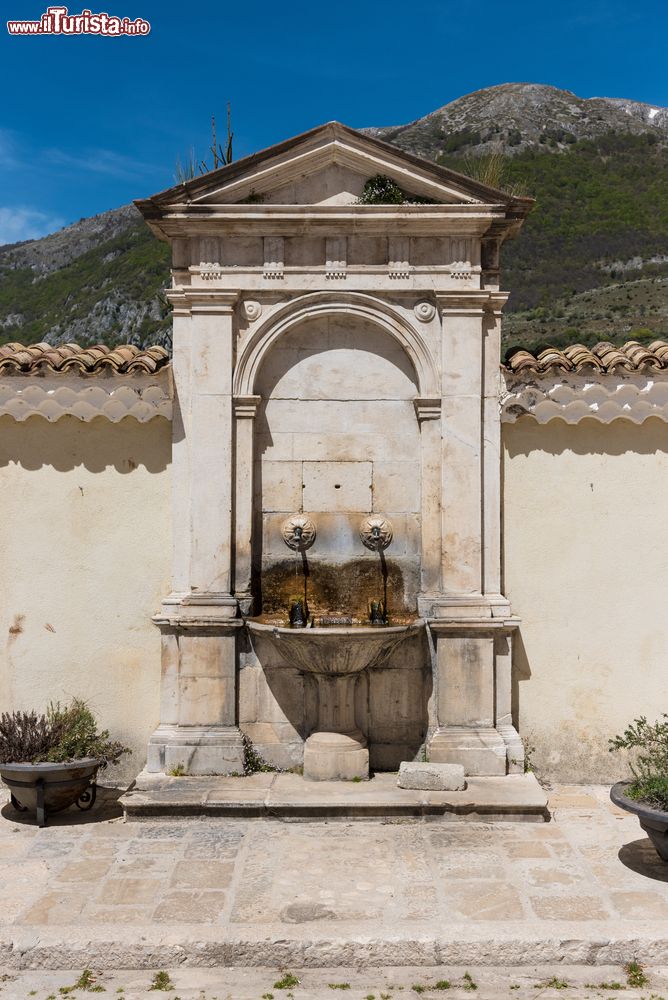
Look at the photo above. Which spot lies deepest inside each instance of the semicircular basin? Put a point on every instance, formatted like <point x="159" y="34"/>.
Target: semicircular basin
<point x="342" y="649"/>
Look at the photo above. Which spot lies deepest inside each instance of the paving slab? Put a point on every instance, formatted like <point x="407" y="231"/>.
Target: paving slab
<point x="279" y="795"/>
<point x="92" y="890"/>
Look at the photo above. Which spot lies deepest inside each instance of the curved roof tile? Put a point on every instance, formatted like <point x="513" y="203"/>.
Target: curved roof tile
<point x="86" y="360"/>
<point x="603" y="357"/>
<point x="126" y="358"/>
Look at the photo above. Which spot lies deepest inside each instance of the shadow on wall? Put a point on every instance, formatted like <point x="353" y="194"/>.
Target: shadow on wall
<point x="588" y="437"/>
<point x="521" y="671"/>
<point x="69" y="443"/>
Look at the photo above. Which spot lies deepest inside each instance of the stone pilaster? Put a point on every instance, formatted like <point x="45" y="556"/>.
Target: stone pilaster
<point x="461" y="456"/>
<point x="428" y="412"/>
<point x="198" y="622"/>
<point x="245" y="408"/>
<point x="470" y="618"/>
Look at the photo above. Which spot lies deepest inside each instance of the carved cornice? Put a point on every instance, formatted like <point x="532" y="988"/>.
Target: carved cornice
<point x="574" y="397"/>
<point x="114" y="397"/>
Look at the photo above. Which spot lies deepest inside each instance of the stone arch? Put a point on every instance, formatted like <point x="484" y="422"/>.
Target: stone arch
<point x="310" y="306"/>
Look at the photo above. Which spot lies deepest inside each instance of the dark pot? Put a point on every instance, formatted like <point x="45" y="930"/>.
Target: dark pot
<point x="47" y="788"/>
<point x="653" y="821"/>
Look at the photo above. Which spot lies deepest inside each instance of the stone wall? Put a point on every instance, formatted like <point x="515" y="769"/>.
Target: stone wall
<point x="586" y="568"/>
<point x="85" y="552"/>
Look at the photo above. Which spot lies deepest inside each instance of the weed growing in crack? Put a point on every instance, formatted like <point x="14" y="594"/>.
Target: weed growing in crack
<point x="635" y="974"/>
<point x="162" y="981"/>
<point x="468" y="983"/>
<point x="85" y="982"/>
<point x="287" y="982"/>
<point x="553" y="984"/>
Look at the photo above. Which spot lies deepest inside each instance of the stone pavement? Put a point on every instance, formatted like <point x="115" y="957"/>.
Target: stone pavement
<point x="91" y="890"/>
<point x="552" y="982"/>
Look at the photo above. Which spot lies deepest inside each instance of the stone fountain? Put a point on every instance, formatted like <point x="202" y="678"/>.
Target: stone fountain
<point x="336" y="362"/>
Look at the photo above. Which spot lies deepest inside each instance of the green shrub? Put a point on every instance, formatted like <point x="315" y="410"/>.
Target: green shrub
<point x="649" y="745"/>
<point x="61" y="735"/>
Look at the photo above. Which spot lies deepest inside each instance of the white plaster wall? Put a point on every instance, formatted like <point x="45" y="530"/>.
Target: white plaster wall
<point x="85" y="556"/>
<point x="586" y="567"/>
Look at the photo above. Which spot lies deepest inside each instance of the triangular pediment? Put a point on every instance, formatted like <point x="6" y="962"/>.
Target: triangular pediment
<point x="326" y="166"/>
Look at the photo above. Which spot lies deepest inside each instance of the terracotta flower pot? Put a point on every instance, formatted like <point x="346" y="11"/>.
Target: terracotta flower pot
<point x="653" y="821"/>
<point x="47" y="788"/>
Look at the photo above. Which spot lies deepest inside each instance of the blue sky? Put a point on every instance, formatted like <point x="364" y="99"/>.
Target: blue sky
<point x="89" y="123"/>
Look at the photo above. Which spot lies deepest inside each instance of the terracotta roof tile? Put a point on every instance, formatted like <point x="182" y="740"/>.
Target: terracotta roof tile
<point x="603" y="357"/>
<point x="88" y="360"/>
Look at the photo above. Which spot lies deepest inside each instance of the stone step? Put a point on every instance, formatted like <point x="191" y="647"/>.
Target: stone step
<point x="270" y="795"/>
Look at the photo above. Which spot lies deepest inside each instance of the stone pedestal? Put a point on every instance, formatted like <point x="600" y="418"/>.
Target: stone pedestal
<point x="336" y="757"/>
<point x="198" y="732"/>
<point x="337" y="750"/>
<point x="473" y="690"/>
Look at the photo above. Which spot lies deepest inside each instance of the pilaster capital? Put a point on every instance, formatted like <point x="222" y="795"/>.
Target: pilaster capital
<point x="427" y="408"/>
<point x="245" y="407"/>
<point x="496" y="302"/>
<point x="458" y="303"/>
<point x="187" y="301"/>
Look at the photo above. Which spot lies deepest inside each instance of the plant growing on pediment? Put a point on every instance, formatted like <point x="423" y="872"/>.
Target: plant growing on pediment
<point x="382" y="190"/>
<point x="492" y="169"/>
<point x="220" y="157"/>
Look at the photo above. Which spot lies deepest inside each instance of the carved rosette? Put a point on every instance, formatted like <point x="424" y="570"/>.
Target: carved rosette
<point x="376" y="533"/>
<point x="303" y="537"/>
<point x="425" y="311"/>
<point x="252" y="310"/>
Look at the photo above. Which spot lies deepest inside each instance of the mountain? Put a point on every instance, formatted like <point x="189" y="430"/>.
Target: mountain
<point x="590" y="264"/>
<point x="520" y="116"/>
<point x="98" y="280"/>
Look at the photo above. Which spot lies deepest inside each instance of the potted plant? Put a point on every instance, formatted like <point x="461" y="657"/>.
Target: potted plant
<point x="647" y="794"/>
<point x="50" y="761"/>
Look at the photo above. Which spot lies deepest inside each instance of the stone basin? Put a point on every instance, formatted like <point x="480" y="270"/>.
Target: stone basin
<point x="335" y="656"/>
<point x="334" y="649"/>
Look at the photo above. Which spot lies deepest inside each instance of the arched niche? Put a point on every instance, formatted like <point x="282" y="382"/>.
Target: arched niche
<point x="336" y="436"/>
<point x="349" y="305"/>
